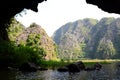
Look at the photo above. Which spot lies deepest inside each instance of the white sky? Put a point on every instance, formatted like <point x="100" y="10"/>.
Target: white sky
<point x="53" y="14"/>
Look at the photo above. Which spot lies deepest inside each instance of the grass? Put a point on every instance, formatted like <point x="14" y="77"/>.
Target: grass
<point x="93" y="61"/>
<point x="106" y="61"/>
<point x="53" y="64"/>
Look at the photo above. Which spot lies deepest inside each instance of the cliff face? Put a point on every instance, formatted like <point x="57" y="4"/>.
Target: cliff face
<point x="89" y="38"/>
<point x="72" y="38"/>
<point x="13" y="7"/>
<point x="30" y="44"/>
<point x="9" y="9"/>
<point x="102" y="44"/>
<point x="37" y="37"/>
<point x="14" y="29"/>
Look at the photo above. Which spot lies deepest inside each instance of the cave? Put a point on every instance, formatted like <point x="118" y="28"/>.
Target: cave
<point x="110" y="6"/>
<point x="10" y="8"/>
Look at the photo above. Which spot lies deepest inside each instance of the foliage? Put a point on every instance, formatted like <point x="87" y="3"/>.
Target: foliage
<point x="72" y="37"/>
<point x="105" y="49"/>
<point x="53" y="63"/>
<point x="15" y="29"/>
<point x="35" y="37"/>
<point x="61" y="63"/>
<point x="34" y="25"/>
<point x="89" y="38"/>
<point x="14" y="55"/>
<point x="26" y="45"/>
<point x="33" y="40"/>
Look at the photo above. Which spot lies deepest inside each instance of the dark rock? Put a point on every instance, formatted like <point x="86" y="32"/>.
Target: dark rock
<point x="111" y="6"/>
<point x="76" y="67"/>
<point x="81" y="65"/>
<point x="97" y="66"/>
<point x="28" y="67"/>
<point x="73" y="67"/>
<point x="10" y="10"/>
<point x="62" y="69"/>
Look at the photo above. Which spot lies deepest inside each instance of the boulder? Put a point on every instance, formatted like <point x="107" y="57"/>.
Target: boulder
<point x="73" y="67"/>
<point x="80" y="65"/>
<point x="62" y="69"/>
<point x="76" y="67"/>
<point x="97" y="66"/>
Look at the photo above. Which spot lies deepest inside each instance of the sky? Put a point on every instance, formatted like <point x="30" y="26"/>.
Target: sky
<point x="52" y="14"/>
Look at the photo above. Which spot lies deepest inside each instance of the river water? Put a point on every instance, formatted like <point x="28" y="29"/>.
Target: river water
<point x="108" y="72"/>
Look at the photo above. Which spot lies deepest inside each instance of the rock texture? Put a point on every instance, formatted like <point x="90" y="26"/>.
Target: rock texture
<point x="37" y="36"/>
<point x="111" y="6"/>
<point x="12" y="7"/>
<point x="9" y="9"/>
<point x="89" y="38"/>
<point x="80" y="66"/>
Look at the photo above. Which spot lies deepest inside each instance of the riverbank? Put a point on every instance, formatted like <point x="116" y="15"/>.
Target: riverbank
<point x="108" y="72"/>
<point x="52" y="64"/>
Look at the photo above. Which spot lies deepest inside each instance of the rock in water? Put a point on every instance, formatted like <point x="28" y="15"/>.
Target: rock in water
<point x="62" y="69"/>
<point x="76" y="67"/>
<point x="97" y="66"/>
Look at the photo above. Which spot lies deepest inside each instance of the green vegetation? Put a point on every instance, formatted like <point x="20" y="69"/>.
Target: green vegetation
<point x="14" y="29"/>
<point x="35" y="36"/>
<point x="72" y="38"/>
<point x="13" y="55"/>
<point x="52" y="64"/>
<point x="79" y="40"/>
<point x="106" y="49"/>
<point x="26" y="45"/>
<point x="89" y="38"/>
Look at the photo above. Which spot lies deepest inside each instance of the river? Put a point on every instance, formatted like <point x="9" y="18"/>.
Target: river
<point x="108" y="72"/>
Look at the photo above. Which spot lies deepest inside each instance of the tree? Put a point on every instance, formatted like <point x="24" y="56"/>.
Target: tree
<point x="105" y="49"/>
<point x="15" y="29"/>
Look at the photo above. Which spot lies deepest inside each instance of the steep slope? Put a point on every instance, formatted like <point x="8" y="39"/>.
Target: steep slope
<point x="35" y="36"/>
<point x="72" y="37"/>
<point x="89" y="38"/>
<point x="102" y="37"/>
<point x="15" y="29"/>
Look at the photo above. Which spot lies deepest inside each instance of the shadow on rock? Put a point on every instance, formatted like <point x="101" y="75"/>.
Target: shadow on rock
<point x="79" y="66"/>
<point x="73" y="67"/>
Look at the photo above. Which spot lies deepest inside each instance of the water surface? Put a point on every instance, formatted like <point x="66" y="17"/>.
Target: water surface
<point x="108" y="72"/>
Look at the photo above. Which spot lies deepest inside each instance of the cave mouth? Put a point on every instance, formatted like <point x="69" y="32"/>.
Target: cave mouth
<point x="46" y="14"/>
<point x="9" y="11"/>
<point x="15" y="7"/>
<point x="112" y="6"/>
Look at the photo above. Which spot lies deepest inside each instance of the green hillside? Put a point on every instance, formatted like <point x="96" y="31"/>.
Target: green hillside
<point x="89" y="38"/>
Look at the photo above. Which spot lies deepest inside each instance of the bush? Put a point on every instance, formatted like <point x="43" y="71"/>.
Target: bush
<point x="13" y="55"/>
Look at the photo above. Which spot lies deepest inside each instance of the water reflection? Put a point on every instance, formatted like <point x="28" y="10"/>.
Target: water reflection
<point x="108" y="72"/>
